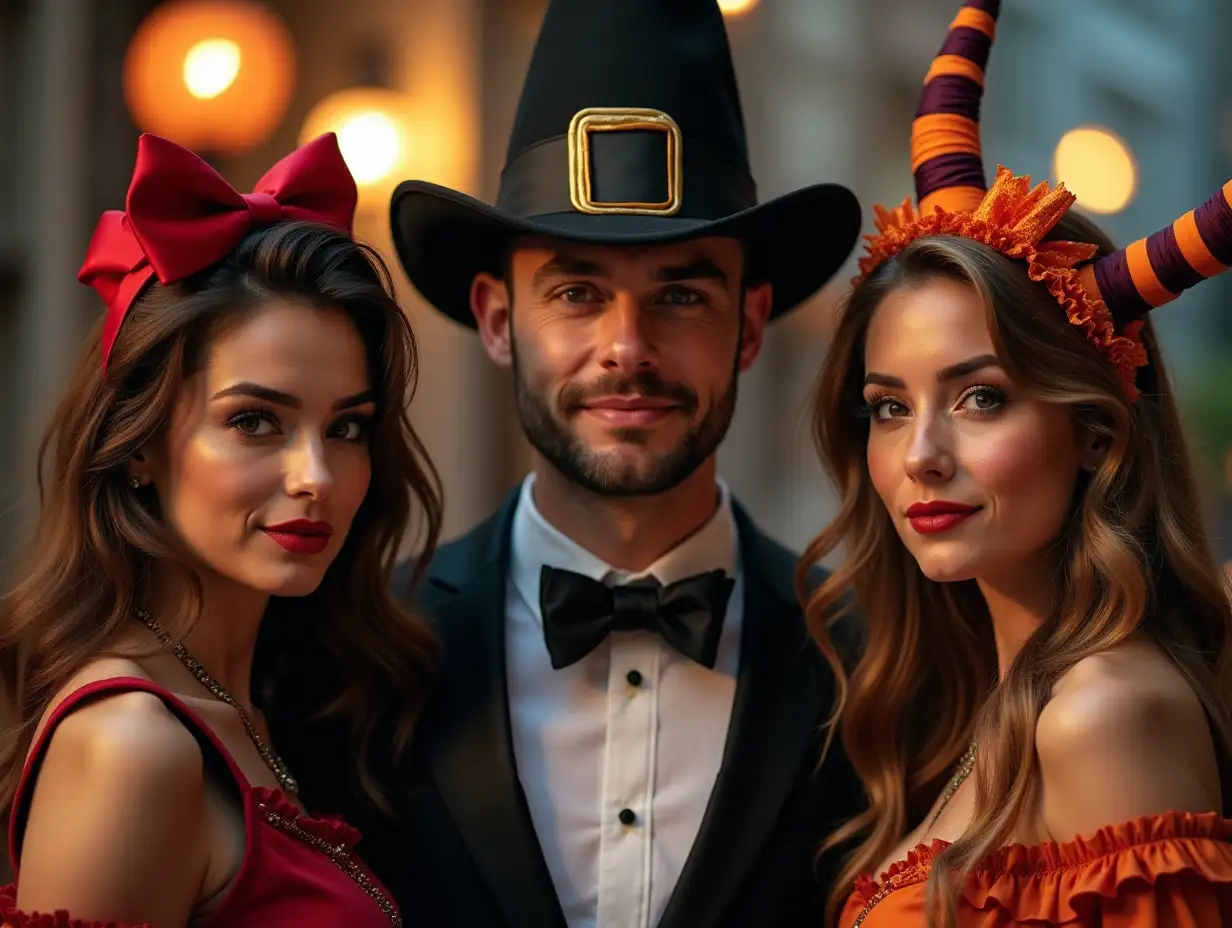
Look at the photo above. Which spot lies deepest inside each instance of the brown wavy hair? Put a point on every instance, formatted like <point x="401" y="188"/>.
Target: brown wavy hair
<point x="96" y="544"/>
<point x="1136" y="560"/>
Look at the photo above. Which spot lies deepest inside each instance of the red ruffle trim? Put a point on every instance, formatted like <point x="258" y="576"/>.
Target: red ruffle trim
<point x="333" y="830"/>
<point x="326" y="827"/>
<point x="1056" y="883"/>
<point x="15" y="918"/>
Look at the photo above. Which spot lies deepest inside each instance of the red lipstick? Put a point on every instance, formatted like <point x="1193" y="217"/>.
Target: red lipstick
<point x="301" y="536"/>
<point x="939" y="516"/>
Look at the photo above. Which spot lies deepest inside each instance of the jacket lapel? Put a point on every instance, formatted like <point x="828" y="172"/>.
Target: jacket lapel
<point x="774" y="727"/>
<point x="465" y="732"/>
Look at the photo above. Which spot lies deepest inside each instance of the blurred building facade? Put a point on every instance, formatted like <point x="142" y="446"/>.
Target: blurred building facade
<point x="829" y="89"/>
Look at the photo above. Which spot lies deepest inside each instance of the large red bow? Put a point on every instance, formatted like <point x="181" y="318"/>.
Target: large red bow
<point x="181" y="216"/>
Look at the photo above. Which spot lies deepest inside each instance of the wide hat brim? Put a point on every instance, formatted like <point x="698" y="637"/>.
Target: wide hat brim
<point x="444" y="238"/>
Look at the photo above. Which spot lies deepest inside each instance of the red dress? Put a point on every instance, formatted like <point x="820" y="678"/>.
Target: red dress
<point x="297" y="870"/>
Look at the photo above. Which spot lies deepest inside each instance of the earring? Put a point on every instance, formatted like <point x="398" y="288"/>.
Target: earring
<point x="135" y="483"/>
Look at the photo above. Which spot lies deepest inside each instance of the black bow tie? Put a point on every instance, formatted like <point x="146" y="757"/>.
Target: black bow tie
<point x="578" y="613"/>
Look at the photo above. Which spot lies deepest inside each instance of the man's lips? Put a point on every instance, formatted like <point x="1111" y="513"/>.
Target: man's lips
<point x="631" y="403"/>
<point x="631" y="411"/>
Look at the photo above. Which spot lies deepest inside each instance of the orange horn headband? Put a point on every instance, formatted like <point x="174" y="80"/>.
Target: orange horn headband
<point x="1106" y="298"/>
<point x="946" y="158"/>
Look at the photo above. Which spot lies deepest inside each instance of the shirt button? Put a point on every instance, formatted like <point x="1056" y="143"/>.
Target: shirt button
<point x="627" y="817"/>
<point x="634" y="678"/>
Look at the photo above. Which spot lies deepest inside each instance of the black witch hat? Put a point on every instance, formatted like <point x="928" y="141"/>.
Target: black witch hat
<point x="629" y="131"/>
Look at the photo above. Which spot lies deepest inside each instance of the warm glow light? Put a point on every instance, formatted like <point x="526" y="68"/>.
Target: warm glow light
<point x="1098" y="168"/>
<point x="210" y="67"/>
<point x="371" y="144"/>
<point x="373" y="133"/>
<point x="736" y="7"/>
<point x="215" y="76"/>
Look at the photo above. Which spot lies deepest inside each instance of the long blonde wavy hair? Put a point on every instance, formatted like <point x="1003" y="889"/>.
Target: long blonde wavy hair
<point x="1136" y="560"/>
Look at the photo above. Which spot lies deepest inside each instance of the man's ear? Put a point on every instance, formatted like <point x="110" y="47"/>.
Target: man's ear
<point x="490" y="302"/>
<point x="758" y="301"/>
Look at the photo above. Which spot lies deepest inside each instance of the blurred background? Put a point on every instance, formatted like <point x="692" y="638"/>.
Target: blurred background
<point x="1128" y="101"/>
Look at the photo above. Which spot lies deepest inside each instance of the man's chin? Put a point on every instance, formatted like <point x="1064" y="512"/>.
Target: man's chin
<point x="631" y="461"/>
<point x="635" y="471"/>
<point x="659" y="438"/>
<point x="624" y="482"/>
<point x="616" y="461"/>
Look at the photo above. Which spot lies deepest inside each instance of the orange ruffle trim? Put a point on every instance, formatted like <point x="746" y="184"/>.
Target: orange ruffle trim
<point x="1170" y="870"/>
<point x="1013" y="219"/>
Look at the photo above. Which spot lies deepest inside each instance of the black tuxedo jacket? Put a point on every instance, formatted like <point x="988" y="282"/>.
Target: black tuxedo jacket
<point x="463" y="852"/>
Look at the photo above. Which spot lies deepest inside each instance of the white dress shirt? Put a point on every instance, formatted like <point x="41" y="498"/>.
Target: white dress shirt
<point x="634" y="730"/>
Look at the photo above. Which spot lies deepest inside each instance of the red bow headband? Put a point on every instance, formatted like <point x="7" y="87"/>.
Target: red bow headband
<point x="1106" y="298"/>
<point x="180" y="217"/>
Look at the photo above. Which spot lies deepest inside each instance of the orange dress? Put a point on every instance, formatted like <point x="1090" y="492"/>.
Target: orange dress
<point x="1163" y="871"/>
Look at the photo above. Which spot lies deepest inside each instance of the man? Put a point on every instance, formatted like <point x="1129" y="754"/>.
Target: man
<point x="628" y="721"/>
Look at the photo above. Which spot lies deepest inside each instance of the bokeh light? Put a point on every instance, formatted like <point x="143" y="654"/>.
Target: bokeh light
<point x="210" y="67"/>
<point x="373" y="129"/>
<point x="215" y="76"/>
<point x="736" y="7"/>
<point x="1098" y="168"/>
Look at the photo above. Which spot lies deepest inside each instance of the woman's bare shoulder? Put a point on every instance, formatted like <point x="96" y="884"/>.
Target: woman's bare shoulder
<point x="1123" y="736"/>
<point x="117" y="816"/>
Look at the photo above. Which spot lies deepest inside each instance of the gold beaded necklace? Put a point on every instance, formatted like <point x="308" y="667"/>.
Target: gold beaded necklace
<point x="339" y="854"/>
<point x="966" y="764"/>
<point x="272" y="760"/>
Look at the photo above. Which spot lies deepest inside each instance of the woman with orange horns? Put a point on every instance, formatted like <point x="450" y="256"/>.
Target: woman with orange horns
<point x="1041" y="714"/>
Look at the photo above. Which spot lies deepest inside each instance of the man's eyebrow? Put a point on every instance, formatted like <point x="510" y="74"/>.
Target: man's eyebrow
<point x="566" y="266"/>
<point x="697" y="269"/>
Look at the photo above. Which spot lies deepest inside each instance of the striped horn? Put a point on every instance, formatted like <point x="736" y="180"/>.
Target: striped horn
<point x="946" y="158"/>
<point x="1157" y="269"/>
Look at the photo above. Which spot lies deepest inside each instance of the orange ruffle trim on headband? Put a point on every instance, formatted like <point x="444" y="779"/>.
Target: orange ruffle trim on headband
<point x="1013" y="219"/>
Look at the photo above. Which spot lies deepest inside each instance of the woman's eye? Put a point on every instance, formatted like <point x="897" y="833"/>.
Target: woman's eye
<point x="887" y="409"/>
<point x="252" y="424"/>
<point x="351" y="429"/>
<point x="983" y="399"/>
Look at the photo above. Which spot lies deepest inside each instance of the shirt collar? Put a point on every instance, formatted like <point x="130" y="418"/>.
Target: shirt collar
<point x="536" y="543"/>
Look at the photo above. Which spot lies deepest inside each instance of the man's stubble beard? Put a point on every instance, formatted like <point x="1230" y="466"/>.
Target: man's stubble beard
<point x="611" y="473"/>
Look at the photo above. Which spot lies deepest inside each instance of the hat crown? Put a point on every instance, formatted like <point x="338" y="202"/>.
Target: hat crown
<point x="629" y="131"/>
<point x="668" y="55"/>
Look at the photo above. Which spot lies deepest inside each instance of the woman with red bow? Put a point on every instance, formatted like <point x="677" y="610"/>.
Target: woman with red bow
<point x="231" y="472"/>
